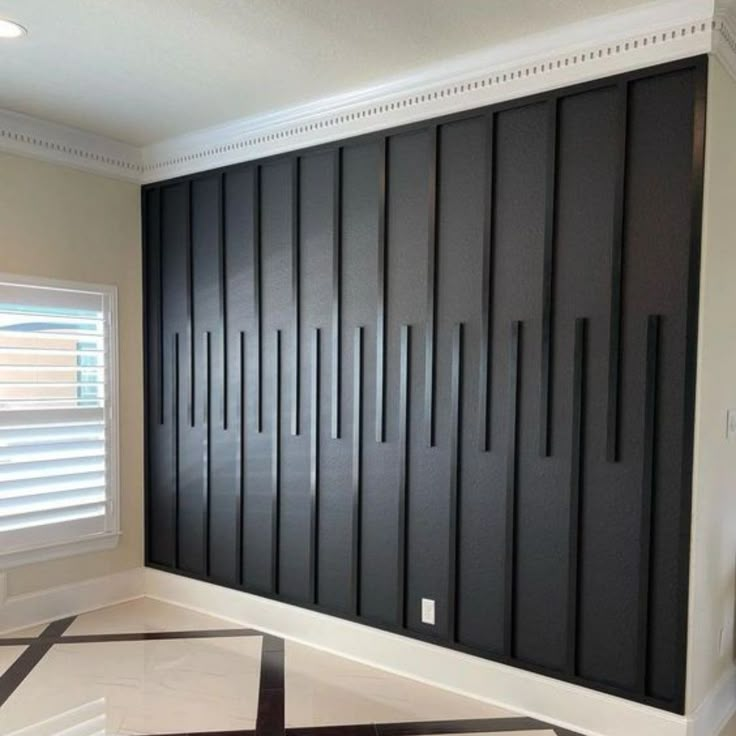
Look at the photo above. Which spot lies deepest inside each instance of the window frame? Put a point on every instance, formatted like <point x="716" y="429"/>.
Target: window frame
<point x="109" y="538"/>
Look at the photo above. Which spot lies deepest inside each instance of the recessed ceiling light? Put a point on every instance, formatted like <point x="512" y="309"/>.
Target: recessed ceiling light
<point x="9" y="29"/>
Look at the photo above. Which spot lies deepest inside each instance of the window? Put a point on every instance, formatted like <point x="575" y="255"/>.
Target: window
<point x="58" y="419"/>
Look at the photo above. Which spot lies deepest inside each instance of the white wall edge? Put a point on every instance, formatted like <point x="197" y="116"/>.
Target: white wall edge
<point x="651" y="34"/>
<point x="21" y="611"/>
<point x="724" y="41"/>
<point x="717" y="709"/>
<point x="94" y="543"/>
<point x="569" y="706"/>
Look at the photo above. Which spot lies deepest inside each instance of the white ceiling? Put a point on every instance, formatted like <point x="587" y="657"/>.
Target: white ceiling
<point x="141" y="71"/>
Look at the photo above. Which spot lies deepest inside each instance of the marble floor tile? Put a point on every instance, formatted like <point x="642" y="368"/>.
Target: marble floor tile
<point x="171" y="685"/>
<point x="8" y="655"/>
<point x="730" y="729"/>
<point x="30" y="632"/>
<point x="543" y="732"/>
<point x="145" y="614"/>
<point x="326" y="690"/>
<point x="147" y="687"/>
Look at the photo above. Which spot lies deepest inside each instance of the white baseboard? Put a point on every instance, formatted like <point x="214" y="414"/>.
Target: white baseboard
<point x="21" y="611"/>
<point x="570" y="706"/>
<point x="717" y="709"/>
<point x="563" y="704"/>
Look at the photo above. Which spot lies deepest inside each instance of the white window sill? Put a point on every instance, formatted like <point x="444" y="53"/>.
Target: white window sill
<point x="94" y="543"/>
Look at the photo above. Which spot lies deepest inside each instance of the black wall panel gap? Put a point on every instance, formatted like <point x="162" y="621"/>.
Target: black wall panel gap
<point x="453" y="361"/>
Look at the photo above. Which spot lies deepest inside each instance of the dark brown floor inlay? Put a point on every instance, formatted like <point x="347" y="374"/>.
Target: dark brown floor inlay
<point x="134" y="636"/>
<point x="23" y="666"/>
<point x="476" y="725"/>
<point x="270" y="720"/>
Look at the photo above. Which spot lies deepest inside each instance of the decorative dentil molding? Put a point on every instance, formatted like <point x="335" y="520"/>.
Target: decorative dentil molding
<point x="29" y="136"/>
<point x="650" y="34"/>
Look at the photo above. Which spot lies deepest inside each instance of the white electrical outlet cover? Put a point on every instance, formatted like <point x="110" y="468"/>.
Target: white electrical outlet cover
<point x="731" y="424"/>
<point x="428" y="611"/>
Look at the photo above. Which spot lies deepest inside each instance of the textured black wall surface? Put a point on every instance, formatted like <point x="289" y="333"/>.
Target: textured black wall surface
<point x="450" y="361"/>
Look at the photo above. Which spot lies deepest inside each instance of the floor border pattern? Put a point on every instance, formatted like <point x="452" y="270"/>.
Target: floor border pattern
<point x="270" y="719"/>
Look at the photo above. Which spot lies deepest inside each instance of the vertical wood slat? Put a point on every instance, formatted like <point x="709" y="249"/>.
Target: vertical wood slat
<point x="157" y="274"/>
<point x="336" y="291"/>
<point x="647" y="496"/>
<point x="314" y="468"/>
<point x="206" y="447"/>
<point x="222" y="263"/>
<point x="576" y="485"/>
<point x="148" y="485"/>
<point x="511" y="468"/>
<point x="176" y="459"/>
<point x="404" y="373"/>
<point x="295" y="291"/>
<point x="431" y="308"/>
<point x="240" y="458"/>
<point x="258" y="396"/>
<point x="161" y="366"/>
<point x="617" y="248"/>
<point x="190" y="309"/>
<point x="276" y="469"/>
<point x="456" y="411"/>
<point x="383" y="193"/>
<point x="484" y="388"/>
<point x="357" y="465"/>
<point x="548" y="278"/>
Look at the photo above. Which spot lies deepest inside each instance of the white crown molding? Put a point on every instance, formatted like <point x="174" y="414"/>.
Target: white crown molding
<point x="29" y="136"/>
<point x="590" y="49"/>
<point x="655" y="33"/>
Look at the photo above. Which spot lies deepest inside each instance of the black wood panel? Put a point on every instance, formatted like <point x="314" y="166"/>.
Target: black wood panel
<point x="361" y="168"/>
<point x="450" y="361"/>
<point x="405" y="298"/>
<point x="239" y="308"/>
<point x="161" y="507"/>
<point x="163" y="469"/>
<point x="523" y="243"/>
<point x="660" y="235"/>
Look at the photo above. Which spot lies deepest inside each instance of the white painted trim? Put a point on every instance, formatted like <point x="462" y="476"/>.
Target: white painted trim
<point x="570" y="706"/>
<point x="29" y="136"/>
<point x="48" y="543"/>
<point x="716" y="710"/>
<point x="650" y="34"/>
<point x="21" y="611"/>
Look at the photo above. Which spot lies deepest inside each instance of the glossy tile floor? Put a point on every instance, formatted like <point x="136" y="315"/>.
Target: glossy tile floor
<point x="147" y="667"/>
<point x="730" y="729"/>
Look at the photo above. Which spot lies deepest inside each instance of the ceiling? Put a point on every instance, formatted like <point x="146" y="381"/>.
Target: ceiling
<point x="141" y="71"/>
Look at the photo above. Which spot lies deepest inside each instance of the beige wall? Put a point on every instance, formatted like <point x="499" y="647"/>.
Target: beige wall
<point x="61" y="223"/>
<point x="713" y="562"/>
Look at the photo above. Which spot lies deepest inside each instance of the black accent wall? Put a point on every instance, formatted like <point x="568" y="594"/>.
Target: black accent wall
<point x="453" y="360"/>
